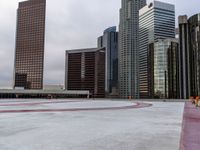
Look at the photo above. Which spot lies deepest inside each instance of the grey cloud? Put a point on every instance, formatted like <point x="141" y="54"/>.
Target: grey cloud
<point x="75" y="26"/>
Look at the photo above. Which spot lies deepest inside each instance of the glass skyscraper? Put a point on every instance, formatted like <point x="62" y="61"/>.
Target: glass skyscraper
<point x="30" y="39"/>
<point x="109" y="40"/>
<point x="128" y="48"/>
<point x="85" y="70"/>
<point x="184" y="58"/>
<point x="189" y="35"/>
<point x="163" y="69"/>
<point x="194" y="48"/>
<point x="156" y="21"/>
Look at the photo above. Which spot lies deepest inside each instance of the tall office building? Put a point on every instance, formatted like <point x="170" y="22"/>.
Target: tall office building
<point x="85" y="70"/>
<point x="184" y="58"/>
<point x="156" y="21"/>
<point x="30" y="38"/>
<point x="109" y="40"/>
<point x="128" y="48"/>
<point x="163" y="69"/>
<point x="189" y="35"/>
<point x="194" y="50"/>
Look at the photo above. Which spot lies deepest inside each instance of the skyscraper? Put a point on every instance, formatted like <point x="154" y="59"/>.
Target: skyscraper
<point x="184" y="58"/>
<point x="189" y="35"/>
<point x="156" y="21"/>
<point x="128" y="48"/>
<point x="85" y="70"/>
<point x="109" y="40"/>
<point x="194" y="50"/>
<point x="29" y="50"/>
<point x="163" y="69"/>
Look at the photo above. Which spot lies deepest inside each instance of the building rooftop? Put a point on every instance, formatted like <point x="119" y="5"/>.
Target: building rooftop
<point x="157" y="4"/>
<point x="89" y="125"/>
<point x="83" y="50"/>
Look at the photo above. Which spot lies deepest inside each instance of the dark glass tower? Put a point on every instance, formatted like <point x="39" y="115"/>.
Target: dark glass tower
<point x="163" y="69"/>
<point x="30" y="38"/>
<point x="85" y="70"/>
<point x="109" y="40"/>
<point x="189" y="35"/>
<point x="194" y="50"/>
<point x="184" y="58"/>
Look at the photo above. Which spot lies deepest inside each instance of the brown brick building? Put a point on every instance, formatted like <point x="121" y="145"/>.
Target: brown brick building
<point x="30" y="38"/>
<point x="85" y="70"/>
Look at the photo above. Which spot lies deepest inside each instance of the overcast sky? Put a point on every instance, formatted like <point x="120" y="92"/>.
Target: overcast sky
<point x="70" y="24"/>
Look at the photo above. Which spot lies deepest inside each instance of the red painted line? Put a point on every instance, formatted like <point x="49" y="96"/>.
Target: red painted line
<point x="36" y="103"/>
<point x="190" y="136"/>
<point x="138" y="105"/>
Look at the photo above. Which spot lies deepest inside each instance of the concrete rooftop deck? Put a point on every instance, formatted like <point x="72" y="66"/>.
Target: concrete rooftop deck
<point x="90" y="125"/>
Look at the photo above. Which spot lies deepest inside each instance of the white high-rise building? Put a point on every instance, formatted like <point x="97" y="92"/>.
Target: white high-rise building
<point x="128" y="48"/>
<point x="156" y="21"/>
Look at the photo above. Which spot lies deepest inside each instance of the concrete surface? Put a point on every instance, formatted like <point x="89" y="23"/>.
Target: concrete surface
<point x="150" y="128"/>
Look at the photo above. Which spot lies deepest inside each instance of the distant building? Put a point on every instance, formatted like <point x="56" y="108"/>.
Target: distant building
<point x="163" y="69"/>
<point x="128" y="48"/>
<point x="194" y="50"/>
<point x="184" y="58"/>
<point x="85" y="70"/>
<point x="29" y="51"/>
<point x="189" y="34"/>
<point x="109" y="40"/>
<point x="156" y="21"/>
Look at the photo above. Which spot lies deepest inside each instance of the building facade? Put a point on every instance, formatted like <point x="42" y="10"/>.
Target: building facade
<point x="85" y="70"/>
<point x="156" y="21"/>
<point x="189" y="35"/>
<point x="194" y="50"/>
<point x="109" y="40"/>
<point x="184" y="58"/>
<point x="128" y="48"/>
<point x="163" y="77"/>
<point x="29" y="50"/>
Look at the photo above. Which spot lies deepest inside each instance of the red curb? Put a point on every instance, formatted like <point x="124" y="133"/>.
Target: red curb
<point x="138" y="105"/>
<point x="190" y="136"/>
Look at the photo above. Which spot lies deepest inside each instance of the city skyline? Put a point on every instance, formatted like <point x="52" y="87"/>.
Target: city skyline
<point x="71" y="32"/>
